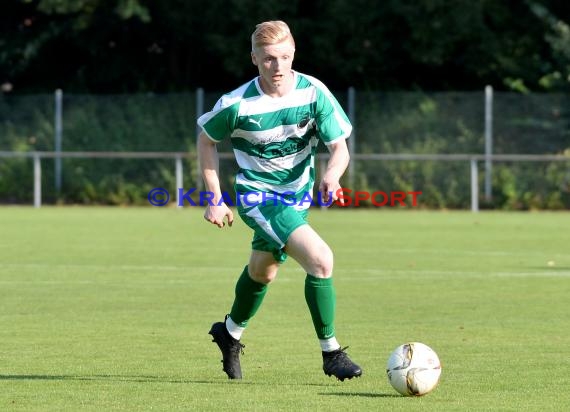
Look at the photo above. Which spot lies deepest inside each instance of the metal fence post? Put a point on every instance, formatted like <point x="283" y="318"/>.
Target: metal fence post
<point x="58" y="137"/>
<point x="488" y="141"/>
<point x="474" y="186"/>
<point x="178" y="179"/>
<point x="37" y="181"/>
<point x="199" y="112"/>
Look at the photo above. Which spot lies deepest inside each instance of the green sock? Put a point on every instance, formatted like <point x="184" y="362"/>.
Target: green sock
<point x="321" y="299"/>
<point x="249" y="295"/>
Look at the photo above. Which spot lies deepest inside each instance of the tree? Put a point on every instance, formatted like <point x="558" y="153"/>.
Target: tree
<point x="557" y="69"/>
<point x="109" y="46"/>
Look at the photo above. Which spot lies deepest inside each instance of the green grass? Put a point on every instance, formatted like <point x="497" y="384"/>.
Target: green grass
<point x="109" y="309"/>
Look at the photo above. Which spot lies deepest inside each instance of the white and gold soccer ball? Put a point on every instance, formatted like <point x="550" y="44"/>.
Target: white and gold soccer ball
<point x="413" y="369"/>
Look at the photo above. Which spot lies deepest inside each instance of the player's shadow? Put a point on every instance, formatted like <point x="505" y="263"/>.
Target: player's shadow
<point x="551" y="268"/>
<point x="363" y="394"/>
<point x="33" y="377"/>
<point x="141" y="378"/>
<point x="164" y="379"/>
<point x="116" y="378"/>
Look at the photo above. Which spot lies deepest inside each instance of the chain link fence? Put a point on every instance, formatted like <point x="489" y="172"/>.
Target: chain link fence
<point x="384" y="123"/>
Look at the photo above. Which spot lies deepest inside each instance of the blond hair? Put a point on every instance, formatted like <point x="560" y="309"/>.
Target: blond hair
<point x="270" y="32"/>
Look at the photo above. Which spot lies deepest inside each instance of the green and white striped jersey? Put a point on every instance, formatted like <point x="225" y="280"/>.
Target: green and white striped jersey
<point x="275" y="139"/>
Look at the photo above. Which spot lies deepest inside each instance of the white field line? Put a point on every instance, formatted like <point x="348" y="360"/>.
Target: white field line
<point x="182" y="269"/>
<point x="292" y="272"/>
<point x="453" y="252"/>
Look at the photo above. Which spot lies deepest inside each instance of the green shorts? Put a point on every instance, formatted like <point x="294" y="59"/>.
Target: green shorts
<point x="272" y="226"/>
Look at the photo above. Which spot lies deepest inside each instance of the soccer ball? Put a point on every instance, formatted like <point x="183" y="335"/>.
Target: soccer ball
<point x="413" y="369"/>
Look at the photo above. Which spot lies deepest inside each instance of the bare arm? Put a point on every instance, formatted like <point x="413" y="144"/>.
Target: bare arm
<point x="336" y="166"/>
<point x="209" y="165"/>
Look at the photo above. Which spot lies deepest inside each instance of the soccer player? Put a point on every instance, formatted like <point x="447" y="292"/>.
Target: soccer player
<point x="274" y="123"/>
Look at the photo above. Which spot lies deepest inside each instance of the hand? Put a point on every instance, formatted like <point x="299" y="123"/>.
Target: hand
<point x="328" y="188"/>
<point x="215" y="214"/>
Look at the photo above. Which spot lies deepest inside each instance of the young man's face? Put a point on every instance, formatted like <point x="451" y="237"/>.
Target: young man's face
<point x="274" y="63"/>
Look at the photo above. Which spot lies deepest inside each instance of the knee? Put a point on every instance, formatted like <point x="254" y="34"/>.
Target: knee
<point x="323" y="263"/>
<point x="263" y="275"/>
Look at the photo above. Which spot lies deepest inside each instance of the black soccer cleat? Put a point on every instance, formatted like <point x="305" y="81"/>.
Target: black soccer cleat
<point x="338" y="363"/>
<point x="230" y="347"/>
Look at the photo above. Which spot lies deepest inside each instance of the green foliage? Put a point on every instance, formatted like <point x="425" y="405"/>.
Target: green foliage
<point x="558" y="37"/>
<point x="420" y="123"/>
<point x="110" y="46"/>
<point x="452" y="123"/>
<point x="532" y="187"/>
<point x="85" y="9"/>
<point x="97" y="123"/>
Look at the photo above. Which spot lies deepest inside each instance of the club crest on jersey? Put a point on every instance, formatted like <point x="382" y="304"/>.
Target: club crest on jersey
<point x="304" y="122"/>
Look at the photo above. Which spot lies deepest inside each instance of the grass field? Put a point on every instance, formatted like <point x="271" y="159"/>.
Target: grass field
<point x="109" y="308"/>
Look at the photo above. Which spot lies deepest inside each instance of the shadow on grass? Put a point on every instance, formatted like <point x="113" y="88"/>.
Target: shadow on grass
<point x="141" y="379"/>
<point x="114" y="378"/>
<point x="552" y="268"/>
<point x="363" y="394"/>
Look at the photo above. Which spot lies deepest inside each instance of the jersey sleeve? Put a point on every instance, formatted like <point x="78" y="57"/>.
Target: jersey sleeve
<point x="219" y="123"/>
<point x="332" y="122"/>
